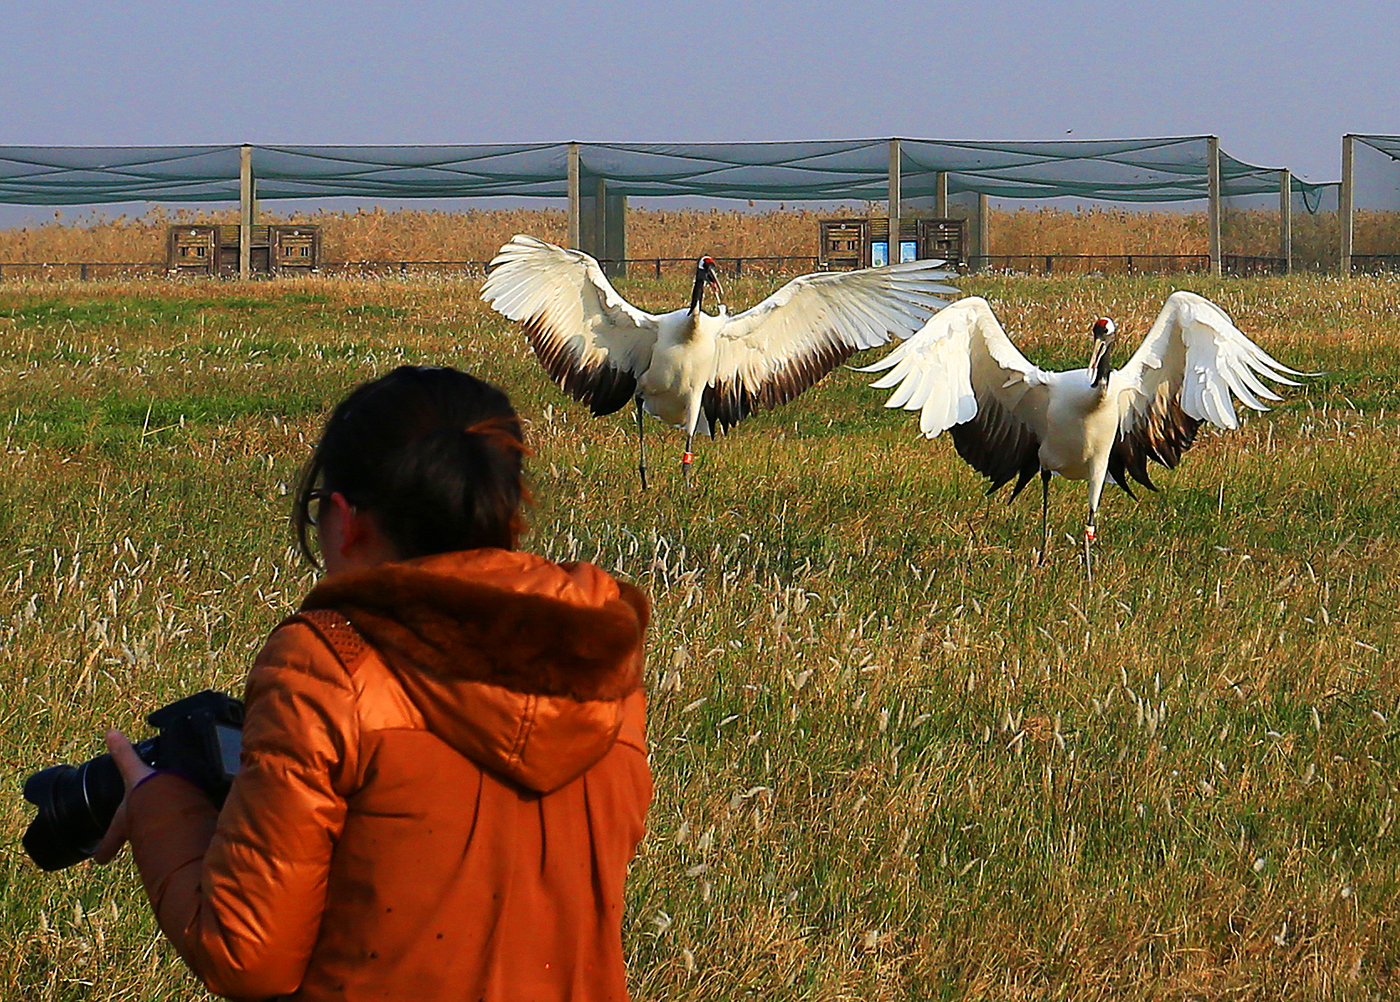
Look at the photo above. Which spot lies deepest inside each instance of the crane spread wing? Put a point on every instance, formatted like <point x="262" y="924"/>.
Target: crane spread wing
<point x="962" y="372"/>
<point x="591" y="341"/>
<point x="769" y="354"/>
<point x="1190" y="368"/>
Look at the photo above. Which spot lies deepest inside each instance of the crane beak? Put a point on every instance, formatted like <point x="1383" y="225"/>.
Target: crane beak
<point x="1096" y="361"/>
<point x="1103" y="331"/>
<point x="712" y="280"/>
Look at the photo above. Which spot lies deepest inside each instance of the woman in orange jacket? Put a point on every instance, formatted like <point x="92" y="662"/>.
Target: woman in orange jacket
<point x="444" y="772"/>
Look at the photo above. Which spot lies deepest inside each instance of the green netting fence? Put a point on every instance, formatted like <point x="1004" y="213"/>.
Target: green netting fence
<point x="1136" y="170"/>
<point x="1371" y="186"/>
<point x="597" y="178"/>
<point x="97" y="175"/>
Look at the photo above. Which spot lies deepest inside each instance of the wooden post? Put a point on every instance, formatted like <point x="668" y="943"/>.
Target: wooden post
<point x="1285" y="219"/>
<point x="615" y="231"/>
<point x="940" y="194"/>
<point x="895" y="197"/>
<point x="1213" y="194"/>
<point x="984" y="234"/>
<point x="1345" y="200"/>
<point x="574" y="197"/>
<point x="600" y="219"/>
<point x="246" y="212"/>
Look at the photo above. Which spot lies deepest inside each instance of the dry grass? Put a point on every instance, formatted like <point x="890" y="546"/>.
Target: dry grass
<point x="409" y="235"/>
<point x="894" y="760"/>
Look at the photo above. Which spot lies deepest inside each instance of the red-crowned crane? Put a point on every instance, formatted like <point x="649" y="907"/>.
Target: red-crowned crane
<point x="1012" y="420"/>
<point x="691" y="369"/>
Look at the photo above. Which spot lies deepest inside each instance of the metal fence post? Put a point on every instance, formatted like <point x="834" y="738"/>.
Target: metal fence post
<point x="1346" y="195"/>
<point x="1213" y="194"/>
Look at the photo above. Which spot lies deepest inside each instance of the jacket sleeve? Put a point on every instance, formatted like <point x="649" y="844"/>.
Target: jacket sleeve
<point x="242" y="900"/>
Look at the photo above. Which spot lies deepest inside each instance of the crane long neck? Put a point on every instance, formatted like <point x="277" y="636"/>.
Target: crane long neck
<point x="697" y="294"/>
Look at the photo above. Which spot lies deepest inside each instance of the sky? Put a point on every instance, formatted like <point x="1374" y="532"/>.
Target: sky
<point x="1279" y="82"/>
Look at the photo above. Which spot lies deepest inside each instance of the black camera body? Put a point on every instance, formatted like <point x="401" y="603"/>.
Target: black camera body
<point x="200" y="737"/>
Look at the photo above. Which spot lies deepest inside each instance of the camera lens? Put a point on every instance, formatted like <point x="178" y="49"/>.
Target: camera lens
<point x="200" y="737"/>
<point x="76" y="805"/>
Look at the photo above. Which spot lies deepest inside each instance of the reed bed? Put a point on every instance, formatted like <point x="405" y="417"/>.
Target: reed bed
<point x="412" y="235"/>
<point x="894" y="759"/>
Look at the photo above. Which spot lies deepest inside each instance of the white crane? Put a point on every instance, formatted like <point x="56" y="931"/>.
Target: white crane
<point x="1010" y="419"/>
<point x="691" y="369"/>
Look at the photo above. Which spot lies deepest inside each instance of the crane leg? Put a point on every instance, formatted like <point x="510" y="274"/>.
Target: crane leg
<point x="1089" y="534"/>
<point x="685" y="459"/>
<point x="641" y="447"/>
<point x="1044" y="515"/>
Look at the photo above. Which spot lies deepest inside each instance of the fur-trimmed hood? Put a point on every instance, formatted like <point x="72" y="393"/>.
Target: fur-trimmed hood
<point x="519" y="663"/>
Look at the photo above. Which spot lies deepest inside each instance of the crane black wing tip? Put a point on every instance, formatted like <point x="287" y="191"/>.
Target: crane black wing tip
<point x="603" y="387"/>
<point x="727" y="401"/>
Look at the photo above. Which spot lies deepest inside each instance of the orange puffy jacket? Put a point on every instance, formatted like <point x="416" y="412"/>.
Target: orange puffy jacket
<point x="449" y="815"/>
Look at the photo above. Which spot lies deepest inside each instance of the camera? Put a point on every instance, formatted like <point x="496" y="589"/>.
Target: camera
<point x="198" y="737"/>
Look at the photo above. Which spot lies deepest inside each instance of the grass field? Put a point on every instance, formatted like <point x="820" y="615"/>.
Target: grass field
<point x="894" y="759"/>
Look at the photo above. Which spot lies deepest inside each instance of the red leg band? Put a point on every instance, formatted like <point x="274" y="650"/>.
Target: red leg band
<point x="686" y="457"/>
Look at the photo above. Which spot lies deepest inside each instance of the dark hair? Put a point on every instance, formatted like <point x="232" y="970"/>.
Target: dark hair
<point x="433" y="453"/>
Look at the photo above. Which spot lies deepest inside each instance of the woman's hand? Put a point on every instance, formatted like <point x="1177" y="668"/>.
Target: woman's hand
<point x="133" y="771"/>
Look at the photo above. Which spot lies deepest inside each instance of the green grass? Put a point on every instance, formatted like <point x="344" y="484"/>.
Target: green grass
<point x="894" y="758"/>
